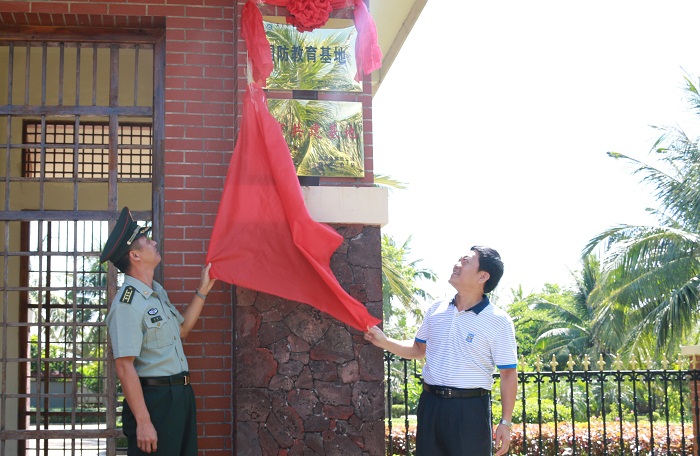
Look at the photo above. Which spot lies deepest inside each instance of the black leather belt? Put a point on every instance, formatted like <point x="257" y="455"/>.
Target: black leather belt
<point x="178" y="379"/>
<point x="448" y="393"/>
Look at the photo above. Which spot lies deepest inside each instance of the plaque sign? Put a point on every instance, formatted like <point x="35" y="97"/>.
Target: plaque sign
<point x="324" y="137"/>
<point x="323" y="59"/>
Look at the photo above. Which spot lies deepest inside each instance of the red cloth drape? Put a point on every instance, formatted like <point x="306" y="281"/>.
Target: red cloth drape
<point x="264" y="238"/>
<point x="259" y="53"/>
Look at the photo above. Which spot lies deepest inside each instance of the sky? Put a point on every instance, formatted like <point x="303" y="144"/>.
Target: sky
<point x="500" y="120"/>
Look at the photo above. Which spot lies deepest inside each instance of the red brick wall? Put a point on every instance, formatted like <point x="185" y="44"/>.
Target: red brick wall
<point x="205" y="79"/>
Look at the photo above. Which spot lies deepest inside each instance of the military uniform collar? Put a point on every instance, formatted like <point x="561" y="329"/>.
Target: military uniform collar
<point x="141" y="287"/>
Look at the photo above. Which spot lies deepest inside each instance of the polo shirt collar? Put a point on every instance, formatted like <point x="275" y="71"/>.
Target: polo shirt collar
<point x="477" y="308"/>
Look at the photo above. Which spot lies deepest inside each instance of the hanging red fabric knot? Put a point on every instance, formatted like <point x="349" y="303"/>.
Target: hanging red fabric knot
<point x="308" y="15"/>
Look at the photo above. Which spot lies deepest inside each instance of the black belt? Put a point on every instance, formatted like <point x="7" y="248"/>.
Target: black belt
<point x="178" y="379"/>
<point x="443" y="391"/>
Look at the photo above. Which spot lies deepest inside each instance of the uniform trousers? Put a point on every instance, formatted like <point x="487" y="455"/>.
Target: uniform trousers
<point x="454" y="426"/>
<point x="173" y="413"/>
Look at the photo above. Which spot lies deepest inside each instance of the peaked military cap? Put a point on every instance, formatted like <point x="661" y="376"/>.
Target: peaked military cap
<point x="123" y="235"/>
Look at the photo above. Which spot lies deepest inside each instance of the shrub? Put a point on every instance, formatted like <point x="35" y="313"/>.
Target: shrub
<point x="398" y="410"/>
<point x="398" y="440"/>
<point x="568" y="437"/>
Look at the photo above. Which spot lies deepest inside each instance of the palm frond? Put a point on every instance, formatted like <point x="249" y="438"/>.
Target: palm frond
<point x="383" y="180"/>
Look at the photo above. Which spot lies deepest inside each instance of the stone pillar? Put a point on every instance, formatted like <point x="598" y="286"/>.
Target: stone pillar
<point x="303" y="380"/>
<point x="693" y="353"/>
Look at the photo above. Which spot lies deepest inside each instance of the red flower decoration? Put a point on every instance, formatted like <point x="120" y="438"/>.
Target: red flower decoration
<point x="308" y="14"/>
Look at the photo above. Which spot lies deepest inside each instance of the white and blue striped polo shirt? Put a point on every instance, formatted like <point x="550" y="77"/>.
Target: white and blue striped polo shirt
<point x="463" y="348"/>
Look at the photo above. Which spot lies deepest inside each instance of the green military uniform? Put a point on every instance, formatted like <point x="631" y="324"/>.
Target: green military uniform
<point x="143" y="323"/>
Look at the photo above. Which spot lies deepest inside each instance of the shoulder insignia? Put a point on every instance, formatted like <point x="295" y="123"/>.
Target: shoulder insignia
<point x="128" y="294"/>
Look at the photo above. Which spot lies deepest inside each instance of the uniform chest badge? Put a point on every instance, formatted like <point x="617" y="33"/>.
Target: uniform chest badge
<point x="156" y="319"/>
<point x="470" y="337"/>
<point x="152" y="311"/>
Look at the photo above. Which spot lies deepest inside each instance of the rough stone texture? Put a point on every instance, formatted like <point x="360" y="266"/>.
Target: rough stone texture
<point x="307" y="384"/>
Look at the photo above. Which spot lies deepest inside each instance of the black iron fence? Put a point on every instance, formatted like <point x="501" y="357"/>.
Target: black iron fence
<point x="586" y="409"/>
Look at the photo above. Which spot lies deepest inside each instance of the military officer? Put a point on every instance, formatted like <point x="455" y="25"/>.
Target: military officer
<point x="146" y="331"/>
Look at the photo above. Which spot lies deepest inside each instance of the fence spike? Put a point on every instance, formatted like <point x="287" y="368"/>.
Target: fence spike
<point x="601" y="362"/>
<point x="586" y="362"/>
<point x="617" y="364"/>
<point x="664" y="363"/>
<point x="523" y="364"/>
<point x="571" y="363"/>
<point x="633" y="362"/>
<point x="680" y="361"/>
<point x="554" y="363"/>
<point x="538" y="364"/>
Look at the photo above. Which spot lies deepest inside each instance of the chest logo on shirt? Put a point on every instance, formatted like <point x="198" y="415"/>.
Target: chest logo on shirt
<point x="152" y="311"/>
<point x="128" y="294"/>
<point x="470" y="337"/>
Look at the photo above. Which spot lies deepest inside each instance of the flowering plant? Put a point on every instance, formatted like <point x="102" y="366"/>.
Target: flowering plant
<point x="309" y="14"/>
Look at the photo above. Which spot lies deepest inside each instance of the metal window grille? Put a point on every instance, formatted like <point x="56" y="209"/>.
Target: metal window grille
<point x="59" y="144"/>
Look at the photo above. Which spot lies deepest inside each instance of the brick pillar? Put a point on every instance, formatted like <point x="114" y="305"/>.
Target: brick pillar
<point x="693" y="353"/>
<point x="302" y="378"/>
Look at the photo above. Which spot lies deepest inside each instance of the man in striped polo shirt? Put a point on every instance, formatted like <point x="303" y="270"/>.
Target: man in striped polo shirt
<point x="463" y="340"/>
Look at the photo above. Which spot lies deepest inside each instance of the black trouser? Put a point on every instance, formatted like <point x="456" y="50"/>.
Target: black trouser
<point x="173" y="414"/>
<point x="454" y="426"/>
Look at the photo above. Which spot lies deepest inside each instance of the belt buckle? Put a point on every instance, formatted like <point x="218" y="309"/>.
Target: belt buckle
<point x="187" y="380"/>
<point x="444" y="392"/>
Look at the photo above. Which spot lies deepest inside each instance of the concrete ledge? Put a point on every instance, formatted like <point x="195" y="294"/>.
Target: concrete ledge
<point x="356" y="205"/>
<point x="690" y="350"/>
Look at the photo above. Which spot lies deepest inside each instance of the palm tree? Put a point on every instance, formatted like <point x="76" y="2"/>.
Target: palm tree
<point x="651" y="273"/>
<point x="402" y="308"/>
<point x="567" y="318"/>
<point x="399" y="290"/>
<point x="569" y="330"/>
<point x="385" y="181"/>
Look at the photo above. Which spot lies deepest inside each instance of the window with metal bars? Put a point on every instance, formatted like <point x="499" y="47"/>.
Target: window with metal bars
<point x="82" y="129"/>
<point x="60" y="143"/>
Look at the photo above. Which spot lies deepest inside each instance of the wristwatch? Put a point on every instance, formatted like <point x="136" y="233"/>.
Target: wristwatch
<point x="506" y="423"/>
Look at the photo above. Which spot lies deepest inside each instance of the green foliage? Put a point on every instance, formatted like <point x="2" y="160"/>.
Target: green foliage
<point x="58" y="415"/>
<point x="648" y="295"/>
<point x="400" y="292"/>
<point x="411" y="381"/>
<point x="93" y="375"/>
<point x="57" y="354"/>
<point x="529" y="324"/>
<point x="398" y="410"/>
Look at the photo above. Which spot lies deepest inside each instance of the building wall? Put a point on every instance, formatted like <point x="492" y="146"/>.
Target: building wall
<point x="339" y="384"/>
<point x="305" y="383"/>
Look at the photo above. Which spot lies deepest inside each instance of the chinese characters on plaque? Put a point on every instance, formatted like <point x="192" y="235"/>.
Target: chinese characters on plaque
<point x="324" y="137"/>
